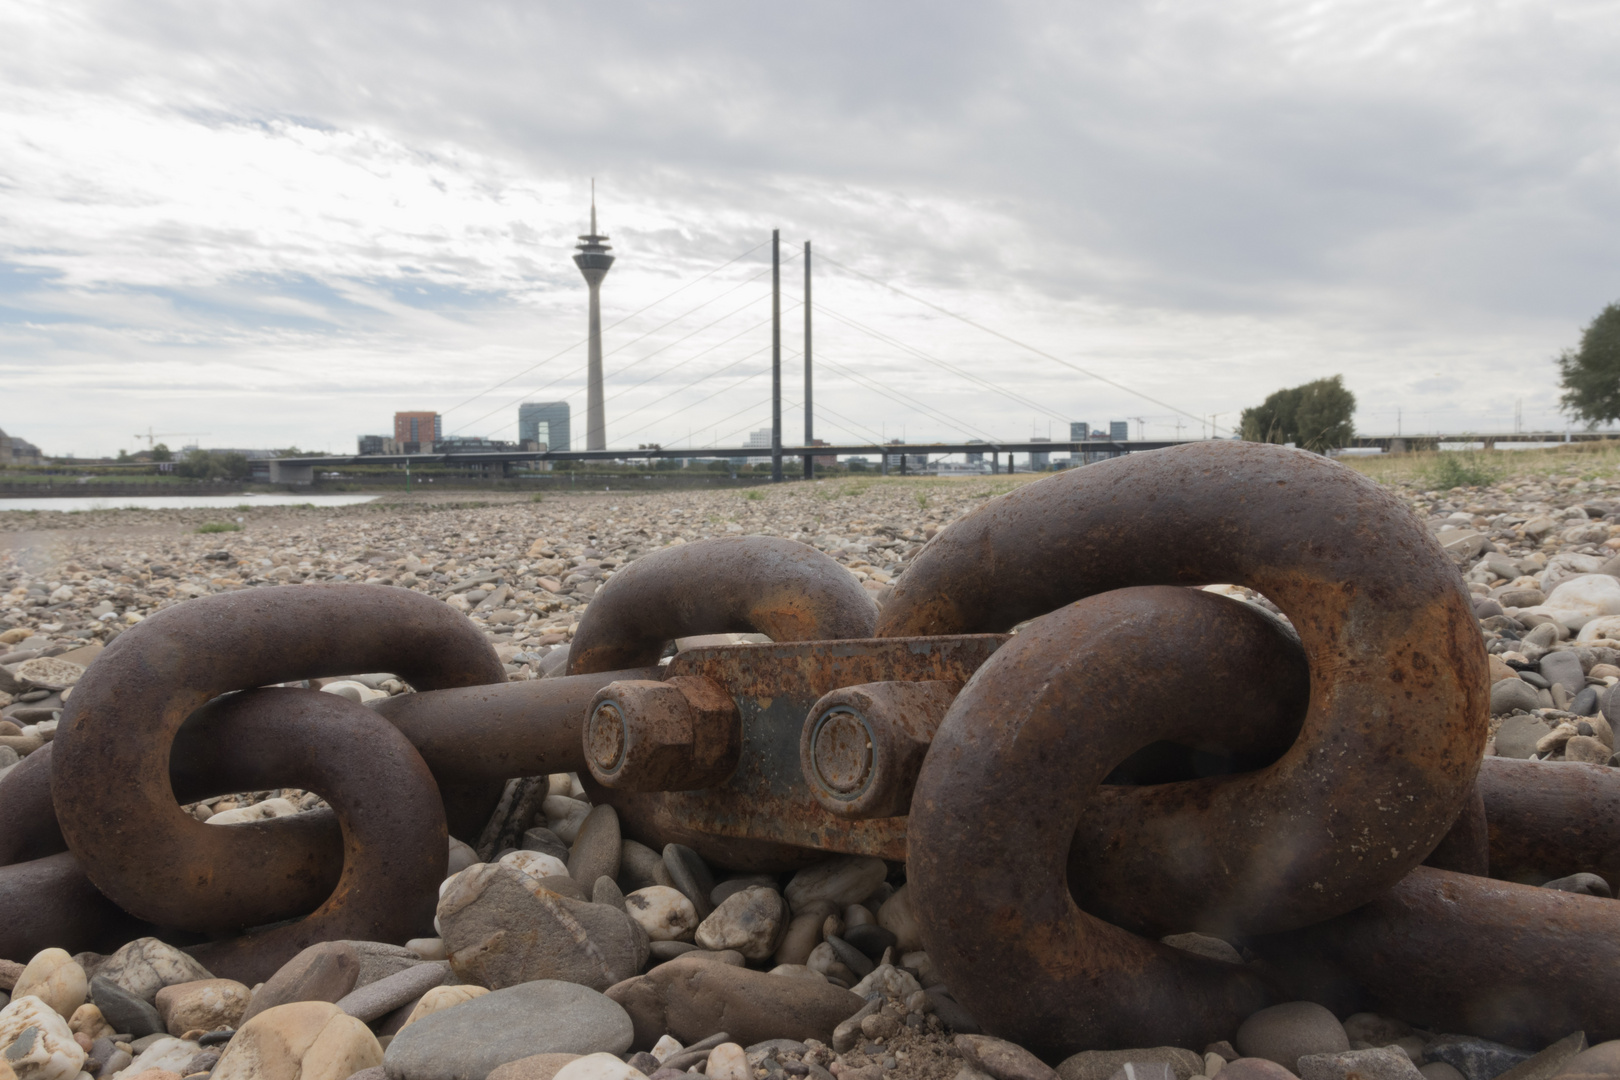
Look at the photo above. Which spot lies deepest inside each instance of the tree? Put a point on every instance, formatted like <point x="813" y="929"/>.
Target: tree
<point x="1590" y="375"/>
<point x="161" y="452"/>
<point x="1315" y="416"/>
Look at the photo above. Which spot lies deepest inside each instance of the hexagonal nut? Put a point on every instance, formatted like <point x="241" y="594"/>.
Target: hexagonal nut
<point x="647" y="735"/>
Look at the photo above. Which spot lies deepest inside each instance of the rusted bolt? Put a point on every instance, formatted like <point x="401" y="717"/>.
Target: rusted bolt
<point x="647" y="735"/>
<point x="862" y="746"/>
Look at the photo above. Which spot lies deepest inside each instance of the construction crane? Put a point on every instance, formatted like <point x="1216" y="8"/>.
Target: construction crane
<point x="1141" y="426"/>
<point x="152" y="438"/>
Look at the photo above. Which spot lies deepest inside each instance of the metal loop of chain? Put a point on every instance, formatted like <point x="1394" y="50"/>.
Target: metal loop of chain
<point x="1069" y="800"/>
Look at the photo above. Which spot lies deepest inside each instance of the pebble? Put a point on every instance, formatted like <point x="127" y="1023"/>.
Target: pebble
<point x="533" y="1067"/>
<point x="847" y="879"/>
<point x="690" y="999"/>
<point x="469" y="1040"/>
<point x="1511" y="694"/>
<point x="1287" y="1032"/>
<point x="305" y="1040"/>
<point x="1251" y="1068"/>
<point x="324" y="972"/>
<point x="595" y="945"/>
<point x="1475" y="1058"/>
<point x="1376" y="1063"/>
<point x="728" y="1061"/>
<point x="1602" y="1060"/>
<point x="146" y="965"/>
<point x="376" y="999"/>
<point x="124" y="1011"/>
<point x="35" y="1041"/>
<point x="898" y="918"/>
<point x="640" y="866"/>
<point x="1001" y="1059"/>
<point x="54" y="978"/>
<point x="663" y="912"/>
<point x="751" y="922"/>
<point x="689" y="874"/>
<point x="166" y="1055"/>
<point x="803" y="934"/>
<point x="546" y="842"/>
<point x="442" y="997"/>
<point x="595" y="852"/>
<point x="207" y="1004"/>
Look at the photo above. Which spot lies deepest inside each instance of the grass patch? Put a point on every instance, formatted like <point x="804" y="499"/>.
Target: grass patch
<point x="219" y="527"/>
<point x="754" y="496"/>
<point x="1464" y="468"/>
<point x="537" y="498"/>
<point x="922" y="500"/>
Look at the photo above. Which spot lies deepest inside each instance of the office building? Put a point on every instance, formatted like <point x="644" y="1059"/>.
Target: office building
<point x="594" y="262"/>
<point x="1119" y="430"/>
<point x="421" y="428"/>
<point x="545" y="423"/>
<point x="760" y="438"/>
<point x="1039" y="461"/>
<point x="1079" y="431"/>
<point x="975" y="457"/>
<point x="378" y="444"/>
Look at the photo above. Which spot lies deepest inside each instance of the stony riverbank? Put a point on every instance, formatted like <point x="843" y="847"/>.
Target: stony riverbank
<point x="652" y="963"/>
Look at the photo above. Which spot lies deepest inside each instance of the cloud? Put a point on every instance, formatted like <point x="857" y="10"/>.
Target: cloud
<point x="307" y="216"/>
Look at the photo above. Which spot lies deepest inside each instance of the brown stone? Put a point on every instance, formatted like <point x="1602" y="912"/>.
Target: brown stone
<point x="595" y="851"/>
<point x="208" y="1004"/>
<point x="692" y="999"/>
<point x="1002" y="1059"/>
<point x="323" y="972"/>
<point x="502" y="927"/>
<point x="534" y="1067"/>
<point x="1251" y="1068"/>
<point x="1102" y="1064"/>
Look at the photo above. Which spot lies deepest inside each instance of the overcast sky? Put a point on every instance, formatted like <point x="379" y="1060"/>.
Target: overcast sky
<point x="276" y="223"/>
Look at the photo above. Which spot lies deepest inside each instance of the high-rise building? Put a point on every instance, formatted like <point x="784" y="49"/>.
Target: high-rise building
<point x="1079" y="431"/>
<point x="594" y="261"/>
<point x="760" y="438"/>
<point x="1039" y="461"/>
<point x="421" y="428"/>
<point x="545" y="422"/>
<point x="1119" y="430"/>
<point x="974" y="457"/>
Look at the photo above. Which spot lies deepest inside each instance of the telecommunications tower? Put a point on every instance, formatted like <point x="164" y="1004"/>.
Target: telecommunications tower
<point x="593" y="261"/>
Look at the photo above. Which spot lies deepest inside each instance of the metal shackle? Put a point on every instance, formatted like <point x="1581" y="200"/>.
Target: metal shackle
<point x="862" y="746"/>
<point x="647" y="735"/>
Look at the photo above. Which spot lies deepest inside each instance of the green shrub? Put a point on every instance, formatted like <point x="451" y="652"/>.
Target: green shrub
<point x="219" y="527"/>
<point x="1463" y="468"/>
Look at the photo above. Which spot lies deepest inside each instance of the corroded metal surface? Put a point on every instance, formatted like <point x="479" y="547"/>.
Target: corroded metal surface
<point x="28" y="828"/>
<point x="1451" y="952"/>
<point x="1398" y="696"/>
<point x="861" y="747"/>
<point x="662" y="735"/>
<point x="110" y="780"/>
<point x="394" y="835"/>
<point x="780" y="588"/>
<point x="1014" y="770"/>
<point x="1550" y="819"/>
<point x="763" y="816"/>
<point x="480" y="733"/>
<point x="49" y="903"/>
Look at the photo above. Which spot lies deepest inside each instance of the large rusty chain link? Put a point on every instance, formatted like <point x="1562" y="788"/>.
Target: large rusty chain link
<point x="1072" y="751"/>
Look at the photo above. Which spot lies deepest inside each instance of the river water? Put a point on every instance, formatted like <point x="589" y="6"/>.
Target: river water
<point x="180" y="502"/>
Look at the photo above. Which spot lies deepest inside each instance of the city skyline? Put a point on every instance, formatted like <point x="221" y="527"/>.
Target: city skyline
<point x="240" y="220"/>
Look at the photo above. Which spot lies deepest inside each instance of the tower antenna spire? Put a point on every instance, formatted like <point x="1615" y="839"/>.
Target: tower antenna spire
<point x="593" y="260"/>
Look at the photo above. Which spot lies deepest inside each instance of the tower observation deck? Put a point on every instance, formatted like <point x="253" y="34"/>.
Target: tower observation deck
<point x="594" y="261"/>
